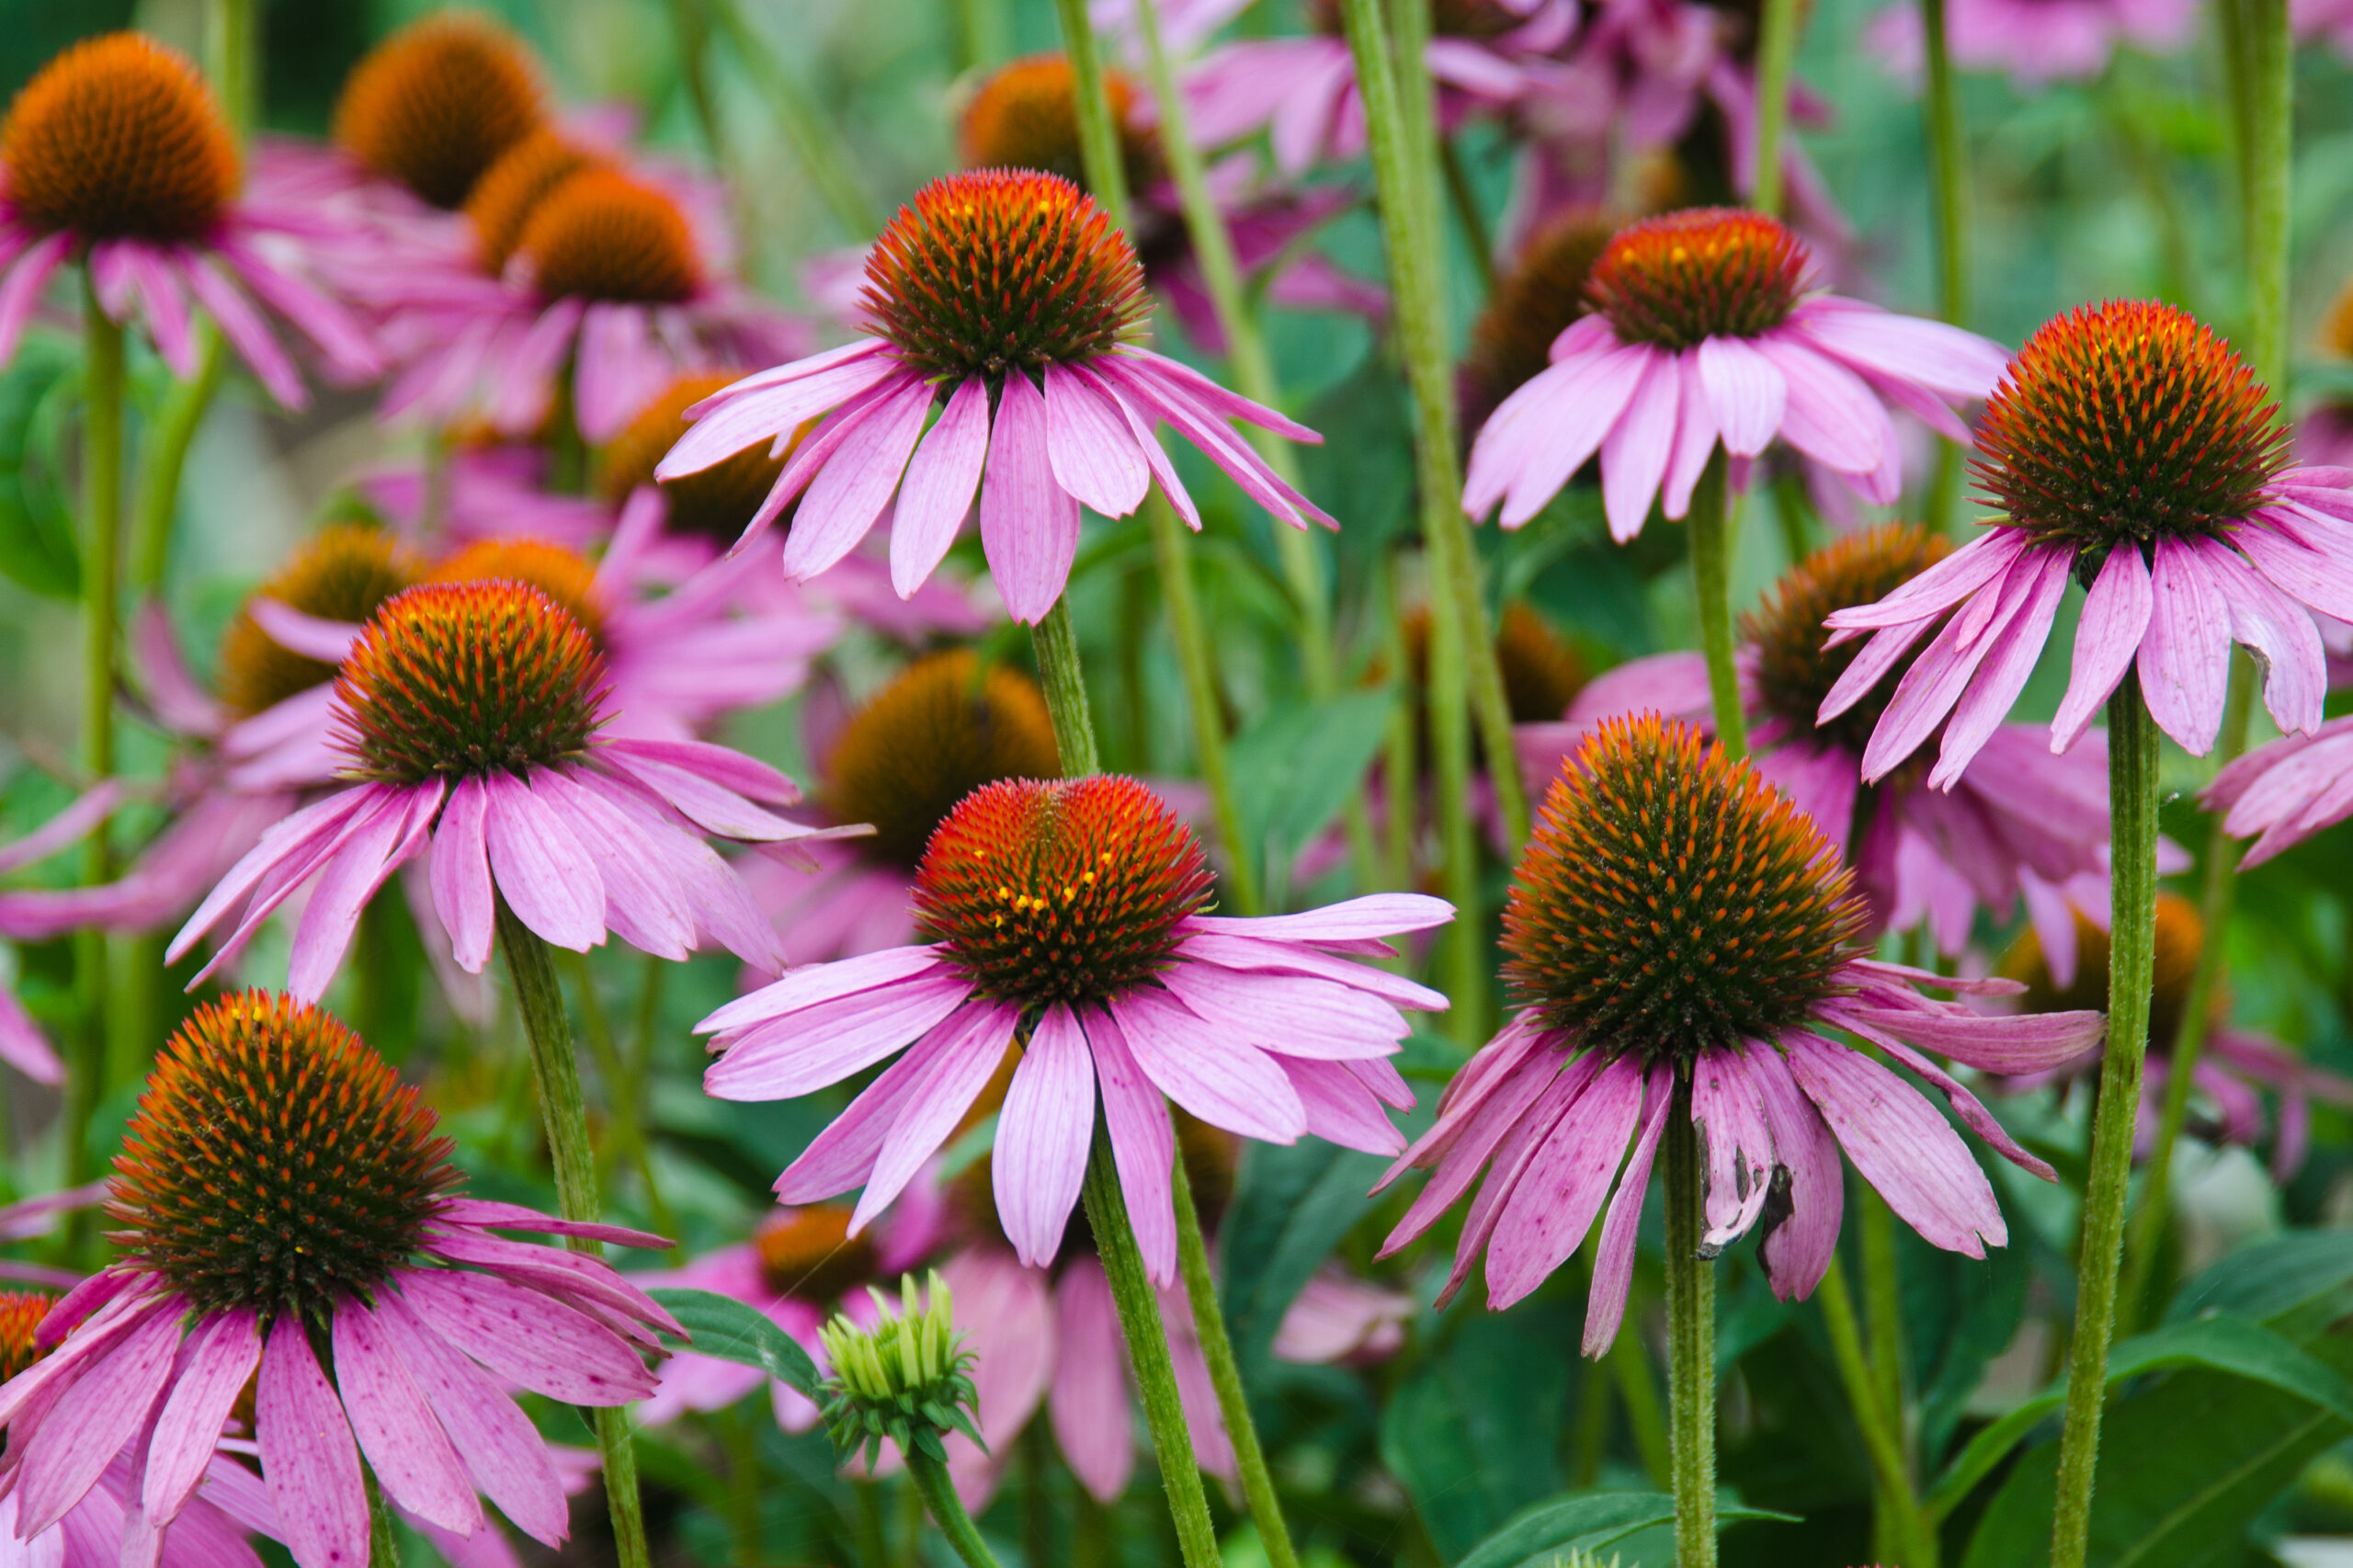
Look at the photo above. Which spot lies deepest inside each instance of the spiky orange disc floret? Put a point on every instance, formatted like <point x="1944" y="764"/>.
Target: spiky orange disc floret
<point x="20" y="1315"/>
<point x="714" y="503"/>
<point x="342" y="574"/>
<point x="275" y="1161"/>
<point x="2181" y="933"/>
<point x="998" y="269"/>
<point x="1025" y="116"/>
<point x="2128" y="420"/>
<point x="945" y="727"/>
<point x="119" y="138"/>
<point x="553" y="570"/>
<point x="1060" y="891"/>
<point x="1542" y="294"/>
<point x="1684" y="277"/>
<point x="456" y="678"/>
<point x="602" y="236"/>
<point x="435" y="105"/>
<point x="1671" y="900"/>
<point x="511" y="190"/>
<point x="810" y="1253"/>
<point x="1794" y="671"/>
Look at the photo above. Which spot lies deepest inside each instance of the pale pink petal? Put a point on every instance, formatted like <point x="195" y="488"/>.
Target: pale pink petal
<point x="1971" y="1110"/>
<point x="1613" y="1256"/>
<point x="2185" y="660"/>
<point x="842" y="1156"/>
<point x="1286" y="1014"/>
<point x="1634" y="454"/>
<point x="1573" y="424"/>
<point x="1739" y="1149"/>
<point x="381" y="847"/>
<point x="1255" y="953"/>
<point x="937" y="489"/>
<point x="1093" y="453"/>
<point x="1512" y="1157"/>
<point x="1746" y="393"/>
<point x="20" y="288"/>
<point x="308" y="1459"/>
<point x="971" y="1046"/>
<point x="1225" y="1082"/>
<point x="847" y="496"/>
<point x="1093" y="1420"/>
<point x="1944" y="358"/>
<point x="1567" y="1176"/>
<point x="1043" y="1134"/>
<point x="225" y="1350"/>
<point x="1799" y="1249"/>
<point x="1339" y="1109"/>
<point x="826" y="1043"/>
<point x="1028" y="523"/>
<point x="298" y="839"/>
<point x="1143" y="1144"/>
<point x="1831" y="415"/>
<point x="810" y="984"/>
<point x="1900" y="1144"/>
<point x="527" y="1338"/>
<point x="458" y="870"/>
<point x="1696" y="439"/>
<point x="2280" y="633"/>
<point x="1981" y="562"/>
<point x="243" y="326"/>
<point x="88" y="1426"/>
<point x="2002" y="675"/>
<point x="546" y="877"/>
<point x="1356" y="919"/>
<point x="2115" y="612"/>
<point x="406" y="1448"/>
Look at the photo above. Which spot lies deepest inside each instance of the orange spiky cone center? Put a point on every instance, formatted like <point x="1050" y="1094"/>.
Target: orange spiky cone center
<point x="436" y="104"/>
<point x="451" y="679"/>
<point x="2128" y="421"/>
<point x="342" y="574"/>
<point x="601" y="235"/>
<point x="20" y="1315"/>
<point x="556" y="572"/>
<point x="276" y="1162"/>
<point x="943" y="729"/>
<point x="119" y="138"/>
<point x="1002" y="269"/>
<point x="511" y="190"/>
<point x="809" y="1253"/>
<point x="1026" y="116"/>
<point x="1794" y="671"/>
<point x="1681" y="278"/>
<point x="1671" y="900"/>
<point x="1060" y="891"/>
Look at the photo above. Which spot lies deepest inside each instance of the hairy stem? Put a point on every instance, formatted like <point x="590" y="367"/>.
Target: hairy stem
<point x="1064" y="685"/>
<point x="2133" y="813"/>
<point x="938" y="1490"/>
<point x="383" y="1547"/>
<point x="1947" y="201"/>
<point x="1710" y="523"/>
<point x="1691" y="1345"/>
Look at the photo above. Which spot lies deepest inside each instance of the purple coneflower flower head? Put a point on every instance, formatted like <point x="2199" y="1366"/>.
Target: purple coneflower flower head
<point x="1705" y="332"/>
<point x="434" y="105"/>
<point x="2034" y="42"/>
<point x="1070" y="915"/>
<point x="1046" y="401"/>
<point x="116" y="156"/>
<point x="282" y="1194"/>
<point x="470" y="716"/>
<point x="943" y="728"/>
<point x="1682" y="940"/>
<point x="2238" y="1067"/>
<point x="2017" y="811"/>
<point x="2130" y="449"/>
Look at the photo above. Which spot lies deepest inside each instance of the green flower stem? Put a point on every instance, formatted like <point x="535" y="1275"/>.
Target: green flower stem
<point x="1065" y="686"/>
<point x="1400" y="765"/>
<point x="383" y="1547"/>
<point x="818" y="148"/>
<point x="539" y="996"/>
<point x="1884" y="1305"/>
<point x="164" y="458"/>
<point x="1225" y="1376"/>
<point x="1710" y="524"/>
<point x="231" y="52"/>
<point x="1691" y="1345"/>
<point x="1199" y="672"/>
<point x="621" y="1097"/>
<point x="1629" y="1368"/>
<point x="1900" y="1532"/>
<point x="1948" y="192"/>
<point x="2133" y="814"/>
<point x="2267" y="134"/>
<point x="1777" y="49"/>
<point x="938" y="1490"/>
<point x="1155" y="1375"/>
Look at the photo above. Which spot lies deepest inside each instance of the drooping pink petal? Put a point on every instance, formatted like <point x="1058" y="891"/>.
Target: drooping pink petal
<point x="1571" y="425"/>
<point x="2185" y="659"/>
<point x="1372" y="916"/>
<point x="297" y="841"/>
<point x="2011" y="1043"/>
<point x="972" y="1045"/>
<point x="1028" y="523"/>
<point x="643" y="904"/>
<point x="1613" y="1256"/>
<point x="723" y="765"/>
<point x="1143" y="425"/>
<point x="826" y="1043"/>
<point x="1634" y="454"/>
<point x="1521" y="1143"/>
<point x="1831" y="415"/>
<point x="225" y="1350"/>
<point x="1745" y="391"/>
<point x="1339" y="1108"/>
<point x="2280" y="634"/>
<point x="21" y="287"/>
<point x="1561" y="1191"/>
<point x="308" y="1460"/>
<point x="458" y="872"/>
<point x="842" y="502"/>
<point x="246" y="331"/>
<point x="406" y="1448"/>
<point x="737" y="416"/>
<point x="1971" y="1110"/>
<point x="1930" y="354"/>
<point x="1093" y="453"/>
<point x="1799" y="1249"/>
<point x="1256" y="953"/>
<point x="92" y="1420"/>
<point x="527" y="1338"/>
<point x="2008" y="662"/>
<point x="843" y="1156"/>
<point x="384" y="843"/>
<point x="1942" y="673"/>
<point x="1900" y="1144"/>
<point x="1143" y="1144"/>
<point x="1227" y="1083"/>
<point x="548" y="878"/>
<point x="1738" y="1145"/>
<point x="486" y="1214"/>
<point x="1088" y="1404"/>
<point x="1981" y="562"/>
<point x="2115" y="613"/>
<point x="1696" y="438"/>
<point x="937" y="489"/>
<point x="1286" y="1014"/>
<point x="1044" y="1135"/>
<point x="814" y="984"/>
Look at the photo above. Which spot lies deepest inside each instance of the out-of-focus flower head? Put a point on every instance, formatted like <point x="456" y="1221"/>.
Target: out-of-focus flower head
<point x="2034" y="42"/>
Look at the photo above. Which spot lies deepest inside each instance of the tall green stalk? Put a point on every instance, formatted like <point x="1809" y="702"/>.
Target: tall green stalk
<point x="539" y="996"/>
<point x="2132" y="816"/>
<point x="1949" y="195"/>
<point x="1063" y="684"/>
<point x="1710" y="524"/>
<point x="1691" y="1344"/>
<point x="938" y="1489"/>
<point x="1900" y="1532"/>
<point x="164" y="458"/>
<point x="1777" y="51"/>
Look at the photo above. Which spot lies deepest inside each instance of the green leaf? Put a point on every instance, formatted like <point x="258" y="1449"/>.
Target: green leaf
<point x="2268" y="1280"/>
<point x="1291" y="1205"/>
<point x="1459" y="1431"/>
<point x="1590" y="1521"/>
<point x="37" y="546"/>
<point x="1297" y="766"/>
<point x="2233" y="1346"/>
<point x="725" y="1327"/>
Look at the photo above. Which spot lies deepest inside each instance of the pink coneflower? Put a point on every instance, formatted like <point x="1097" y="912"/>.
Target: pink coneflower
<point x="1070" y="913"/>
<point x="430" y="108"/>
<point x="2017" y="811"/>
<point x="2129" y="447"/>
<point x="1681" y="937"/>
<point x="942" y="729"/>
<point x="1081" y="431"/>
<point x="1703" y="333"/>
<point x="116" y="156"/>
<point x="2034" y="42"/>
<point x="469" y="714"/>
<point x="279" y="1187"/>
<point x="2283" y="793"/>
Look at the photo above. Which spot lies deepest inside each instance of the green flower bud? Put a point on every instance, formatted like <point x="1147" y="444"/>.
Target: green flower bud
<point x="908" y="1379"/>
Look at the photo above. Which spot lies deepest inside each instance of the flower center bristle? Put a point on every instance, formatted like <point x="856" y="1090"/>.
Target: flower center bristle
<point x="119" y="138"/>
<point x="1794" y="671"/>
<point x="1671" y="900"/>
<point x="2129" y="420"/>
<point x="601" y="235"/>
<point x="1544" y="292"/>
<point x="556" y="572"/>
<point x="276" y="1162"/>
<point x="998" y="269"/>
<point x="1060" y="891"/>
<point x="458" y="678"/>
<point x="2180" y="935"/>
<point x="714" y="503"/>
<point x="1682" y="277"/>
<point x="945" y="727"/>
<point x="435" y="105"/>
<point x="20" y="1315"/>
<point x="342" y="574"/>
<point x="809" y="1253"/>
<point x="511" y="190"/>
<point x="1026" y="116"/>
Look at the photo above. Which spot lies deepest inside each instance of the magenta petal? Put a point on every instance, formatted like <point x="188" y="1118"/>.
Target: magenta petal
<point x="458" y="872"/>
<point x="381" y="847"/>
<point x="484" y="1213"/>
<point x="737" y="416"/>
<point x="246" y="331"/>
<point x="1094" y="1422"/>
<point x="546" y="877"/>
<point x="308" y="1460"/>
<point x="1900" y="1144"/>
<point x="2115" y="613"/>
<point x="1253" y="954"/>
<point x="1738" y="1146"/>
<point x="1798" y="1250"/>
<point x="226" y="1351"/>
<point x="527" y="1338"/>
<point x="1831" y="416"/>
<point x="1971" y="1110"/>
<point x="844" y="500"/>
<point x="1613" y="1256"/>
<point x="1042" y="1137"/>
<point x="69" y="826"/>
<point x="2185" y="659"/>
<point x="1746" y="393"/>
<point x="1571" y="424"/>
<point x="1093" y="453"/>
<point x="91" y="1421"/>
<point x="1562" y="1190"/>
<point x="1340" y="1109"/>
<point x="1634" y="454"/>
<point x="840" y="1157"/>
<point x="823" y="1044"/>
<point x="961" y="1066"/>
<point x="406" y="1446"/>
<point x="937" y="489"/>
<point x="1143" y="1144"/>
<point x="20" y="287"/>
<point x="1225" y="1082"/>
<point x="2002" y="675"/>
<point x="2013" y="1044"/>
<point x="1293" y="1014"/>
<point x="2280" y="634"/>
<point x="1513" y="1157"/>
<point x="1028" y="523"/>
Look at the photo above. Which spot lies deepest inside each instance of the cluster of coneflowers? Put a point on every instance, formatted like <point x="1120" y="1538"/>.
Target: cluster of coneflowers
<point x="637" y="501"/>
